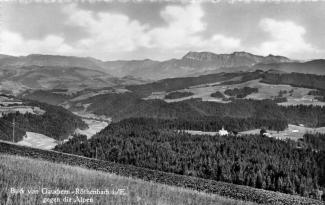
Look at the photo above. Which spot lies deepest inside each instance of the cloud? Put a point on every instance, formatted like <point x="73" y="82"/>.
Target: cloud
<point x="112" y="35"/>
<point x="107" y="32"/>
<point x="286" y="38"/>
<point x="184" y="29"/>
<point x="13" y="43"/>
<point x="182" y="26"/>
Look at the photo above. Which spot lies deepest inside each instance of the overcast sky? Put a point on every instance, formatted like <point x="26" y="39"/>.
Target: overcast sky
<point x="160" y="30"/>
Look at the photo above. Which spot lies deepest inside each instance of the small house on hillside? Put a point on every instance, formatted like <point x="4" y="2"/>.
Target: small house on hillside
<point x="223" y="132"/>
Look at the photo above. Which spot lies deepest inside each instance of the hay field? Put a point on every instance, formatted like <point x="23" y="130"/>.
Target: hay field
<point x="19" y="174"/>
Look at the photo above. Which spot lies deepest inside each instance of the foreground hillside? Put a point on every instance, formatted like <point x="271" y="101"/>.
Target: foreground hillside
<point x="58" y="176"/>
<point x="209" y="186"/>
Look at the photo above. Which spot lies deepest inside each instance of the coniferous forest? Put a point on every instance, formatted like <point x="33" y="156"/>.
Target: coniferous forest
<point x="251" y="160"/>
<point x="56" y="122"/>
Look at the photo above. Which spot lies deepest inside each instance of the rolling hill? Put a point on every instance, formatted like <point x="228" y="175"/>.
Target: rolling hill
<point x="49" y="60"/>
<point x="17" y="80"/>
<point x="151" y="99"/>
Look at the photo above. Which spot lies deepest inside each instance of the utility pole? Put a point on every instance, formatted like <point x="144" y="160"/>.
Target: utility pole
<point x="96" y="153"/>
<point x="13" y="130"/>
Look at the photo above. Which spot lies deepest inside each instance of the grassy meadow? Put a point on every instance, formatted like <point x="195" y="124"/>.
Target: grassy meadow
<point x="19" y="174"/>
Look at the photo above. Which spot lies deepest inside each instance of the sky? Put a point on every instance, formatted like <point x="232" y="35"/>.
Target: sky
<point x="162" y="30"/>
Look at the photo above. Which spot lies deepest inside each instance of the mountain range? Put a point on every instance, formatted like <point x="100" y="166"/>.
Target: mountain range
<point x="192" y="64"/>
<point x="38" y="71"/>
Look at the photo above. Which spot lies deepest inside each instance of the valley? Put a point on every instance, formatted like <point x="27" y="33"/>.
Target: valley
<point x="11" y="105"/>
<point x="162" y="102"/>
<point x="94" y="126"/>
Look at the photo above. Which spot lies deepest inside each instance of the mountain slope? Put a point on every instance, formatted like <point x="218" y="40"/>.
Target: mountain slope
<point x="310" y="67"/>
<point x="49" y="77"/>
<point x="50" y="60"/>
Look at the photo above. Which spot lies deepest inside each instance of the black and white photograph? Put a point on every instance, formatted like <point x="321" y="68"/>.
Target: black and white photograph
<point x="162" y="102"/>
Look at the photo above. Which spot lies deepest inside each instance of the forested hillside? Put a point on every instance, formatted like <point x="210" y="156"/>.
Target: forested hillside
<point x="313" y="116"/>
<point x="173" y="84"/>
<point x="296" y="79"/>
<point x="46" y="96"/>
<point x="250" y="160"/>
<point x="56" y="122"/>
<point x="317" y="141"/>
<point x="127" y="105"/>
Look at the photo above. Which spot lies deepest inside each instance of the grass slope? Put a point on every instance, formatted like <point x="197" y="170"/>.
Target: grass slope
<point x="30" y="173"/>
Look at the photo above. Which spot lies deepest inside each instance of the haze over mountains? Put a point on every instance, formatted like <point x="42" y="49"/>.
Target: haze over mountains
<point x="52" y="71"/>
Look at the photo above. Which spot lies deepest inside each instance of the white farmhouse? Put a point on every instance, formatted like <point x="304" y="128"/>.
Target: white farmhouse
<point x="223" y="132"/>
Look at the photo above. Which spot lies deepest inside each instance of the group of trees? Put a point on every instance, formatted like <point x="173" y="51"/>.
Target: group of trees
<point x="177" y="94"/>
<point x="241" y="92"/>
<point x="217" y="94"/>
<point x="250" y="160"/>
<point x="319" y="94"/>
